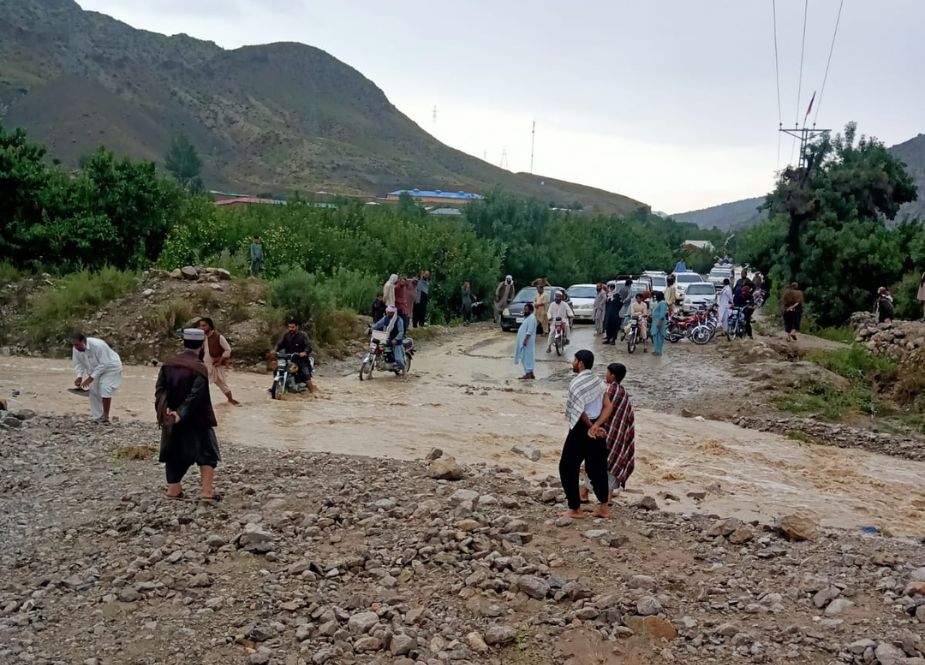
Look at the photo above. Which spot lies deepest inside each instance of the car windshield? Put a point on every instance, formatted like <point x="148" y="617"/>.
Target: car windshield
<point x="528" y="293"/>
<point x="701" y="290"/>
<point x="688" y="277"/>
<point x="721" y="273"/>
<point x="659" y="280"/>
<point x="582" y="292"/>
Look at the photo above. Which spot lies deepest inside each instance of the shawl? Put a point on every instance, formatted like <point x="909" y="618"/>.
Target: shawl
<point x="621" y="435"/>
<point x="582" y="391"/>
<point x="790" y="297"/>
<point x="388" y="290"/>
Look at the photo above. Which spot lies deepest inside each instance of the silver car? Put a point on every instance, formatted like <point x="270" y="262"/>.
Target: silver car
<point x="698" y="295"/>
<point x="581" y="297"/>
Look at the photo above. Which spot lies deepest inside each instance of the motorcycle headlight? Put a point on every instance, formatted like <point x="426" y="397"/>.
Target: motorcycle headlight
<point x="506" y="312"/>
<point x="293" y="368"/>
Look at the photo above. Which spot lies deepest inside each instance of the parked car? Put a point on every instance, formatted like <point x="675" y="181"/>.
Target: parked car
<point x="644" y="277"/>
<point x="697" y="295"/>
<point x="719" y="273"/>
<point x="685" y="279"/>
<point x="582" y="296"/>
<point x="513" y="314"/>
<point x="658" y="278"/>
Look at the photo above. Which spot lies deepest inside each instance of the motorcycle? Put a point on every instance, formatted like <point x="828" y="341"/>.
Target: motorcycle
<point x="632" y="338"/>
<point x="559" y="340"/>
<point x="381" y="356"/>
<point x="737" y="329"/>
<point x="285" y="373"/>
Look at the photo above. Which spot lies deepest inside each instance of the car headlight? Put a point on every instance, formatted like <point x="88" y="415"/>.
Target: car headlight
<point x="506" y="312"/>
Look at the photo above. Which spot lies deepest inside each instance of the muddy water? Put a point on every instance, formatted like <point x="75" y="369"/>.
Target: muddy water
<point x="464" y="397"/>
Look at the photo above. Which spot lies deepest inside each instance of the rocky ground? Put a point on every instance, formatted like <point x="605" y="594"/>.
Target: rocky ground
<point x="320" y="558"/>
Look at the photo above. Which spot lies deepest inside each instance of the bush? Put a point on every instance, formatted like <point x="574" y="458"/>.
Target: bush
<point x="905" y="295"/>
<point x="8" y="273"/>
<point x="56" y="311"/>
<point x="172" y="315"/>
<point x="301" y="296"/>
<point x="856" y="364"/>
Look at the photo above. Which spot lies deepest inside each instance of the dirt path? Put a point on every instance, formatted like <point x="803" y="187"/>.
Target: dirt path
<point x="464" y="397"/>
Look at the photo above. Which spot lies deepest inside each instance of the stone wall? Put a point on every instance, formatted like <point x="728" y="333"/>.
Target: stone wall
<point x="903" y="341"/>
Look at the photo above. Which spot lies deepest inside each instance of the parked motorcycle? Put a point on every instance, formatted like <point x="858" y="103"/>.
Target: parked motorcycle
<point x="285" y="375"/>
<point x="382" y="357"/>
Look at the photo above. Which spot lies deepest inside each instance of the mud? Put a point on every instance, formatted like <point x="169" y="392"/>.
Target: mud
<point x="464" y="397"/>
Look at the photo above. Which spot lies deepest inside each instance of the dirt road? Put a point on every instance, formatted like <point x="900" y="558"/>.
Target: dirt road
<point x="464" y="398"/>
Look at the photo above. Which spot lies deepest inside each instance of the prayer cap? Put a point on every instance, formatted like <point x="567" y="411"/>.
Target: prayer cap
<point x="193" y="335"/>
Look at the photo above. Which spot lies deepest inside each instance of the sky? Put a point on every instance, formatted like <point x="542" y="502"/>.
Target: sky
<point x="671" y="102"/>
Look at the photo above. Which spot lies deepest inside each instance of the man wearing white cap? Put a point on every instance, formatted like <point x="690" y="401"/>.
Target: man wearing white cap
<point x="98" y="369"/>
<point x="184" y="412"/>
<point x="394" y="326"/>
<point x="504" y="295"/>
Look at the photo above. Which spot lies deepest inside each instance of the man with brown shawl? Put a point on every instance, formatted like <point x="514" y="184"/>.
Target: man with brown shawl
<point x="617" y="426"/>
<point x="791" y="304"/>
<point x="216" y="353"/>
<point x="184" y="412"/>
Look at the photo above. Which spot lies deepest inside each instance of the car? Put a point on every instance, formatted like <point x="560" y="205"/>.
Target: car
<point x="697" y="295"/>
<point x="513" y="314"/>
<point x="644" y="277"/>
<point x="658" y="278"/>
<point x="582" y="296"/>
<point x="719" y="273"/>
<point x="685" y="279"/>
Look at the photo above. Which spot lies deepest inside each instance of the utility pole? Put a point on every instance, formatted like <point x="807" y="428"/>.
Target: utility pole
<point x="435" y="117"/>
<point x="532" y="144"/>
<point x="503" y="163"/>
<point x="805" y="134"/>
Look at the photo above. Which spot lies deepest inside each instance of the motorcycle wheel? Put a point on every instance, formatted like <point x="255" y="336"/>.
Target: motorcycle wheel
<point x="408" y="363"/>
<point x="366" y="370"/>
<point x="559" y="346"/>
<point x="700" y="335"/>
<point x="631" y="343"/>
<point x="278" y="388"/>
<point x="673" y="337"/>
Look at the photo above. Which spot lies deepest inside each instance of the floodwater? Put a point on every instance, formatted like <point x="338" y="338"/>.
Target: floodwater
<point x="463" y="396"/>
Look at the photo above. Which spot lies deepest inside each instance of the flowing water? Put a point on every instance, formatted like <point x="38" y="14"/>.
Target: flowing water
<point x="464" y="397"/>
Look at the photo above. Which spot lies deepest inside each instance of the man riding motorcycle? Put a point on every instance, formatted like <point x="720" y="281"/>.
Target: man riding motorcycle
<point x="558" y="309"/>
<point x="295" y="341"/>
<point x="393" y="324"/>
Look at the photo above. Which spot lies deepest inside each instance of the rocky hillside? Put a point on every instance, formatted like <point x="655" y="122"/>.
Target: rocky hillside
<point x="276" y="118"/>
<point x="744" y="213"/>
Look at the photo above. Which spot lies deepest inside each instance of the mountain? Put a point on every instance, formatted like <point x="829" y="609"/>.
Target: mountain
<point x="276" y="118"/>
<point x="744" y="213"/>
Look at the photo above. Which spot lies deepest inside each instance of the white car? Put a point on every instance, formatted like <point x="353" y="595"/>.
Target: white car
<point x="697" y="295"/>
<point x="581" y="297"/>
<point x="718" y="274"/>
<point x="685" y="279"/>
<point x="659" y="280"/>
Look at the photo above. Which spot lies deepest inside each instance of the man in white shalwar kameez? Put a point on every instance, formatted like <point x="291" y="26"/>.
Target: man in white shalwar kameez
<point x="98" y="368"/>
<point x="724" y="300"/>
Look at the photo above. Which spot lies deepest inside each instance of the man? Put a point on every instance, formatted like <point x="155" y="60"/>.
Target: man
<point x="256" y="257"/>
<point x="585" y="404"/>
<point x="504" y="295"/>
<point x="216" y="352"/>
<point x="421" y="297"/>
<point x="540" y="307"/>
<point x="600" y="308"/>
<point x="404" y="299"/>
<point x="525" y="351"/>
<point x="296" y="341"/>
<point x="680" y="266"/>
<point x="393" y="324"/>
<point x="612" y="314"/>
<point x="671" y="295"/>
<point x="623" y="293"/>
<point x="98" y="368"/>
<point x="184" y="412"/>
<point x="744" y="299"/>
<point x="742" y="281"/>
<point x="378" y="307"/>
<point x="725" y="300"/>
<point x="558" y="309"/>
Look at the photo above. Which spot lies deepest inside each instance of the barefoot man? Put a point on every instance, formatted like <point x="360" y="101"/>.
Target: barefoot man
<point x="184" y="412"/>
<point x="584" y="406"/>
<point x="216" y="357"/>
<point x="98" y="368"/>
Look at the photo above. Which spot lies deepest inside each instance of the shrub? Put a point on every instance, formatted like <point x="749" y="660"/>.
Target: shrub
<point x="55" y="312"/>
<point x="301" y="296"/>
<point x="172" y="315"/>
<point x="856" y="364"/>
<point x="8" y="273"/>
<point x="905" y="294"/>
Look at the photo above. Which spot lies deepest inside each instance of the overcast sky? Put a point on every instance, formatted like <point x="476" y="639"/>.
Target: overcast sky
<point x="672" y="102"/>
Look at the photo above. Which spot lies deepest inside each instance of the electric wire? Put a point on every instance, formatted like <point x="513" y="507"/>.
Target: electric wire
<point x="800" y="81"/>
<point x="828" y="62"/>
<point x="780" y="116"/>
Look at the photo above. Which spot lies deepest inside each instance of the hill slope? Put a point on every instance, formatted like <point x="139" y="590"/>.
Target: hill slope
<point x="280" y="117"/>
<point x="744" y="213"/>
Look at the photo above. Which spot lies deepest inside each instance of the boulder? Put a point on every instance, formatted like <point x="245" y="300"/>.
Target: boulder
<point x="189" y="272"/>
<point x="796" y="529"/>
<point x="445" y="468"/>
<point x="499" y="635"/>
<point x="533" y="586"/>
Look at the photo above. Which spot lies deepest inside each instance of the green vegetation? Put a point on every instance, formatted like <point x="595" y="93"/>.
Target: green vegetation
<point x="827" y="228"/>
<point x="56" y="310"/>
<point x="842" y="334"/>
<point x="184" y="163"/>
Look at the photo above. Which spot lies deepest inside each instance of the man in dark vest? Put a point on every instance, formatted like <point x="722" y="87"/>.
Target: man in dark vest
<point x="184" y="412"/>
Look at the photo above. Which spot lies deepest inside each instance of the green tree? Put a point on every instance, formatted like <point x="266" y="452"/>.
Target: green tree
<point x="184" y="163"/>
<point x="24" y="176"/>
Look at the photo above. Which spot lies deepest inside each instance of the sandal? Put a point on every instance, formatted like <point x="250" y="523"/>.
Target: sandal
<point x="176" y="497"/>
<point x="215" y="498"/>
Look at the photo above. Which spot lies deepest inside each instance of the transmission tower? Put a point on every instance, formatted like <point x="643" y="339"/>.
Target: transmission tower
<point x="503" y="163"/>
<point x="532" y="144"/>
<point x="434" y="112"/>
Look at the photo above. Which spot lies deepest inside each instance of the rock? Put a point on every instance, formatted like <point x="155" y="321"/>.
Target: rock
<point x="222" y="274"/>
<point x="254" y="538"/>
<point x="11" y="422"/>
<point x="642" y="582"/>
<point x="825" y="596"/>
<point x="861" y="646"/>
<point x="476" y="642"/>
<point x="697" y="496"/>
<point x="498" y="635"/>
<point x="887" y="654"/>
<point x="129" y="594"/>
<point x="918" y="575"/>
<point x="463" y="496"/>
<point x="402" y="645"/>
<point x="687" y="413"/>
<point x="445" y="468"/>
<point x="189" y="272"/>
<point x="367" y="644"/>
<point x="914" y="589"/>
<point x="533" y="586"/>
<point x="741" y="535"/>
<point x="147" y="292"/>
<point x="261" y="632"/>
<point x="838" y="606"/>
<point x="175" y="274"/>
<point x="795" y="528"/>
<point x="648" y="606"/>
<point x="530" y="452"/>
<point x="595" y="534"/>
<point x="260" y="657"/>
<point x="434" y="453"/>
<point x="362" y="622"/>
<point x="647" y="503"/>
<point x="24" y="414"/>
<point x="653" y="626"/>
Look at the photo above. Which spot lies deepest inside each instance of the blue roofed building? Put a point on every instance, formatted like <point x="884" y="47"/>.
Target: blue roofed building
<point x="435" y="196"/>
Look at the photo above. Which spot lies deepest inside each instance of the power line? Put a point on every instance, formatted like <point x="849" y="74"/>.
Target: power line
<point x="829" y="61"/>
<point x="780" y="117"/>
<point x="800" y="81"/>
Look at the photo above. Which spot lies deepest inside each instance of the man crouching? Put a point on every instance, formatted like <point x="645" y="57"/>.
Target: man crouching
<point x="184" y="412"/>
